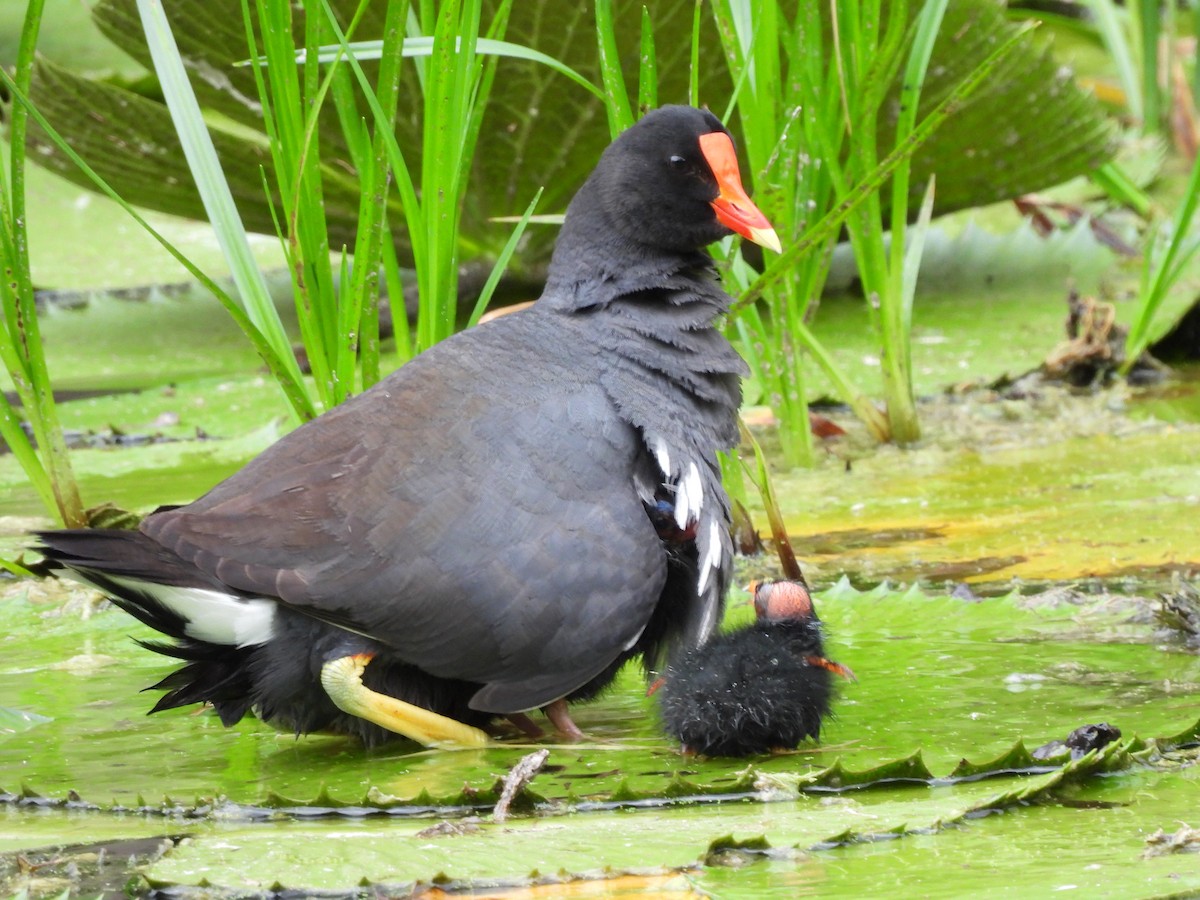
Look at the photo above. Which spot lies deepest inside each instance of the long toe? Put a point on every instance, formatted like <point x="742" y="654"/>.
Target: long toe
<point x="560" y="718"/>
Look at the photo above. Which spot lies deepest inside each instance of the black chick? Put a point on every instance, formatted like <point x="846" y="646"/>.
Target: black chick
<point x="761" y="688"/>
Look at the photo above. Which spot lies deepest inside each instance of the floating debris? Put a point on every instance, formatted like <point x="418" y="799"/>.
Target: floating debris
<point x="1179" y="610"/>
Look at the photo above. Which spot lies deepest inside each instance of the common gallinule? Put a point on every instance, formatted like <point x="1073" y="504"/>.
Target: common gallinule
<point x="760" y="688"/>
<point x="480" y="534"/>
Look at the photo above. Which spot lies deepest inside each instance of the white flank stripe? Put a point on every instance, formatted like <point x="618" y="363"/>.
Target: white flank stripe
<point x="712" y="556"/>
<point x="213" y="616"/>
<point x="695" y="492"/>
<point x="663" y="454"/>
<point x="683" y="504"/>
<point x="705" y="571"/>
<point x="714" y="543"/>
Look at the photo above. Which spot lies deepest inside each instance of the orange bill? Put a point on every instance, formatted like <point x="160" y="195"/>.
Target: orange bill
<point x="734" y="208"/>
<point x="830" y="666"/>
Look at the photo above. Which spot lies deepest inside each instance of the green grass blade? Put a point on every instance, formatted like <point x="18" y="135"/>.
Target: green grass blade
<point x="294" y="391"/>
<point x="760" y="476"/>
<point x="15" y="568"/>
<point x="1160" y="271"/>
<point x="910" y="269"/>
<point x="372" y="229"/>
<point x="284" y="121"/>
<point x="332" y="308"/>
<point x="899" y="285"/>
<point x="416" y="32"/>
<point x="1195" y="31"/>
<point x="694" y="68"/>
<point x="1114" y="181"/>
<point x="864" y="408"/>
<point x="782" y="263"/>
<point x="356" y="329"/>
<point x="405" y="187"/>
<point x="49" y="467"/>
<point x="648" y="67"/>
<point x="616" y="97"/>
<point x="218" y="201"/>
<point x="1148" y="26"/>
<point x="929" y="22"/>
<point x="418" y="47"/>
<point x="502" y="261"/>
<point x="1116" y="40"/>
<point x="733" y="477"/>
<point x="447" y="110"/>
<point x="392" y="277"/>
<point x="18" y="443"/>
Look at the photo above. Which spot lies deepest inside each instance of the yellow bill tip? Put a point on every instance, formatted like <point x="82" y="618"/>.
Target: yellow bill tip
<point x="766" y="237"/>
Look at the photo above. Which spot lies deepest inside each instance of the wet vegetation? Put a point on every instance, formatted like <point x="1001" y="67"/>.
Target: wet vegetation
<point x="957" y="402"/>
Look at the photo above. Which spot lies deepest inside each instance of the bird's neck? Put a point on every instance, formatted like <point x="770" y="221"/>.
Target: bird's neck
<point x="595" y="261"/>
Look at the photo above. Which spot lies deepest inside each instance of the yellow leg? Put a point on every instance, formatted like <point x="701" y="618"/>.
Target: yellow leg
<point x="342" y="680"/>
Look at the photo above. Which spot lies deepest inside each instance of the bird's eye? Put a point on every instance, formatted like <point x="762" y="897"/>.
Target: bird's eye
<point x="678" y="163"/>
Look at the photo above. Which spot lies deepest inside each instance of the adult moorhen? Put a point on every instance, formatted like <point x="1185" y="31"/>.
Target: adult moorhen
<point x="478" y="535"/>
<point x="761" y="688"/>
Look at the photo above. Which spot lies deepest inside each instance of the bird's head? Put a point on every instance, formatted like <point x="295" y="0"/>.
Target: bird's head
<point x="782" y="600"/>
<point x="672" y="182"/>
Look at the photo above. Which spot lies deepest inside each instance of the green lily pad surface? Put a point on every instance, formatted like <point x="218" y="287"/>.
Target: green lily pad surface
<point x="940" y="679"/>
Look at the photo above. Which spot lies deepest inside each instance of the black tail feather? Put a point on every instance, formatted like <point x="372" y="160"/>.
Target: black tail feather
<point x="214" y="673"/>
<point x="223" y="683"/>
<point x="130" y="554"/>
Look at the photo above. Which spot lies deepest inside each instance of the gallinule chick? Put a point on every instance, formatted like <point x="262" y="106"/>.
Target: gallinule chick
<point x="479" y="534"/>
<point x="761" y="688"/>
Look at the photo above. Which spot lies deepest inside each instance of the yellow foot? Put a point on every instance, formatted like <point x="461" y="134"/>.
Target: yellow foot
<point x="342" y="680"/>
